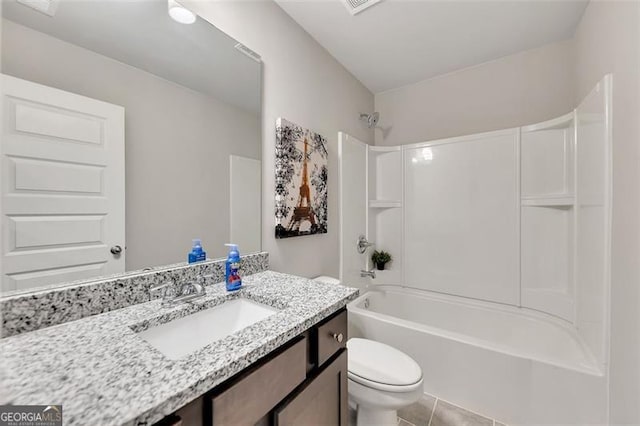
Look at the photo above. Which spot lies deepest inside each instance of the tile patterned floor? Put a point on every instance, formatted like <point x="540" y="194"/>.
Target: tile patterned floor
<point x="432" y="411"/>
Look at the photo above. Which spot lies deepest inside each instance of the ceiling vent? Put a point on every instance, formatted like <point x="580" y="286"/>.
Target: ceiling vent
<point x="250" y="53"/>
<point x="48" y="7"/>
<point x="357" y="6"/>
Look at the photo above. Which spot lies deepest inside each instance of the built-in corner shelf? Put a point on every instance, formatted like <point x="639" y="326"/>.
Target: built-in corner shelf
<point x="384" y="204"/>
<point x="563" y="200"/>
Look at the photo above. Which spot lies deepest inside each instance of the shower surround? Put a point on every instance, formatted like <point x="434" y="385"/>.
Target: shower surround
<point x="499" y="286"/>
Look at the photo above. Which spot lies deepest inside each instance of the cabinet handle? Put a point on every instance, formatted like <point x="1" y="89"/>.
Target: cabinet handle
<point x="337" y="337"/>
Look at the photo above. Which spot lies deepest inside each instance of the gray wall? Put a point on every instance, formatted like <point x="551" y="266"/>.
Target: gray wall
<point x="304" y="84"/>
<point x="524" y="88"/>
<point x="177" y="149"/>
<point x="608" y="41"/>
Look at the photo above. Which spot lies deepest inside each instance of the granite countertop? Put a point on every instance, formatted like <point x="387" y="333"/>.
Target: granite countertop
<point x="103" y="373"/>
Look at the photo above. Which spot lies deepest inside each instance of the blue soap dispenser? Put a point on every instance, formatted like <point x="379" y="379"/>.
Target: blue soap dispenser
<point x="197" y="254"/>
<point x="232" y="278"/>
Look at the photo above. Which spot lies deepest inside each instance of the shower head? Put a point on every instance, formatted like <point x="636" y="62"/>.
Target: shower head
<point x="370" y="119"/>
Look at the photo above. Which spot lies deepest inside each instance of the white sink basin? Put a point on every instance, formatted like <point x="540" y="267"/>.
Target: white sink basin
<point x="182" y="336"/>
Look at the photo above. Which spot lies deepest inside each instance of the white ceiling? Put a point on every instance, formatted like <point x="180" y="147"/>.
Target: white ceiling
<point x="399" y="42"/>
<point x="141" y="34"/>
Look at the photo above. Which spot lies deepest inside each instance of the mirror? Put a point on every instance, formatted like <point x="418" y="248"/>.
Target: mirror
<point x="125" y="135"/>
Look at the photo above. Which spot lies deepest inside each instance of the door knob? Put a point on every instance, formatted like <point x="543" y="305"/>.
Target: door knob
<point x="116" y="250"/>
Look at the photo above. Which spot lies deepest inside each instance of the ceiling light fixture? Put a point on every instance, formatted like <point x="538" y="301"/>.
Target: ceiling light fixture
<point x="181" y="14"/>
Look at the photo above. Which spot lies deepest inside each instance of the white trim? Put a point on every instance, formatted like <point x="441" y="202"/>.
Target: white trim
<point x="384" y="204"/>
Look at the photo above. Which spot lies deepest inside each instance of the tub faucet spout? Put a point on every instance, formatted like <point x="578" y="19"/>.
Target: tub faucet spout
<point x="371" y="274"/>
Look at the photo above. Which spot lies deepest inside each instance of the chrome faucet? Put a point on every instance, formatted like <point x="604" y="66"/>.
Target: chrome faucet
<point x="187" y="292"/>
<point x="362" y="244"/>
<point x="371" y="274"/>
<point x="168" y="292"/>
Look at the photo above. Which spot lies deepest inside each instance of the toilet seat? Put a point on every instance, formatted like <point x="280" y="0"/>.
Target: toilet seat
<point x="384" y="386"/>
<point x="379" y="366"/>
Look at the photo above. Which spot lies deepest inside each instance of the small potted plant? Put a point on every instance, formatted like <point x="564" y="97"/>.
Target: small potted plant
<point x="380" y="258"/>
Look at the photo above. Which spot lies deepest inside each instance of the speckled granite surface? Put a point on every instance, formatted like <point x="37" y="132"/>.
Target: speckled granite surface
<point x="104" y="374"/>
<point x="51" y="306"/>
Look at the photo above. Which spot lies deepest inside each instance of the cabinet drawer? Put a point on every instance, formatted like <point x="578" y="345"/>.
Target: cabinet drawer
<point x="254" y="395"/>
<point x="332" y="336"/>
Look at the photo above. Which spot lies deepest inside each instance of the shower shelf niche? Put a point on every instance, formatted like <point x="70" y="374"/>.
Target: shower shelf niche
<point x="547" y="216"/>
<point x="385" y="176"/>
<point x="564" y="200"/>
<point x="385" y="204"/>
<point x="385" y="218"/>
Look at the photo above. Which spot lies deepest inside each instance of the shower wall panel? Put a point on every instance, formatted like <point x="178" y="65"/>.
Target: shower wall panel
<point x="462" y="216"/>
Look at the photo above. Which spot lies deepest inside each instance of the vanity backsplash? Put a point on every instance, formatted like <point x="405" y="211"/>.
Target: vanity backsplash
<point x="22" y="313"/>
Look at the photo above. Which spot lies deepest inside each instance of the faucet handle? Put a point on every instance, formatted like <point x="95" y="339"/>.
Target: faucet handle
<point x="363" y="244"/>
<point x="201" y="281"/>
<point x="164" y="287"/>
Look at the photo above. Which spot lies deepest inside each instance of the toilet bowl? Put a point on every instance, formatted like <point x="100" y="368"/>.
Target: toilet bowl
<point x="381" y="380"/>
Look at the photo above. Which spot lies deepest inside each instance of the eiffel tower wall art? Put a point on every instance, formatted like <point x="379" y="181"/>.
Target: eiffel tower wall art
<point x="301" y="181"/>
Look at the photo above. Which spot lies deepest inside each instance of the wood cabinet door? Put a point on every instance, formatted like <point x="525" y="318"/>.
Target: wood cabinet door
<point x="253" y="396"/>
<point x="322" y="402"/>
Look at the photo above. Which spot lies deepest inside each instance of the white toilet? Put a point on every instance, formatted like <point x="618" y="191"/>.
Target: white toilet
<point x="382" y="380"/>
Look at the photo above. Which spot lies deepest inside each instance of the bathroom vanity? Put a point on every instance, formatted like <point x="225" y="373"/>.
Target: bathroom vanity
<point x="289" y="367"/>
<point x="302" y="383"/>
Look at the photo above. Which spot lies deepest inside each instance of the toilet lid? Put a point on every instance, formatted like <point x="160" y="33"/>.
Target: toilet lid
<point x="379" y="363"/>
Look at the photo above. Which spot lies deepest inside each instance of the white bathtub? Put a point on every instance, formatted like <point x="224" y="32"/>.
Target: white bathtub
<point x="515" y="365"/>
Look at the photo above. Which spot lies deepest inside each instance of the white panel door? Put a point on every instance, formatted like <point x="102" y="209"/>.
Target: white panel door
<point x="353" y="208"/>
<point x="246" y="203"/>
<point x="462" y="216"/>
<point x="62" y="182"/>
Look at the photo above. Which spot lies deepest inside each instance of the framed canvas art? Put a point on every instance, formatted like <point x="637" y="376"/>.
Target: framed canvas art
<point x="301" y="181"/>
